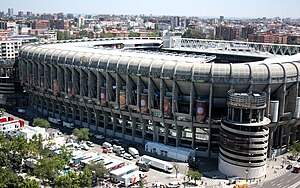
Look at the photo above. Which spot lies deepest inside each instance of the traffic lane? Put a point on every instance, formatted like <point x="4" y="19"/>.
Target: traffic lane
<point x="286" y="180"/>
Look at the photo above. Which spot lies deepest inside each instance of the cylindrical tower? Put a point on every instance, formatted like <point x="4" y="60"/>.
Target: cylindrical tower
<point x="244" y="136"/>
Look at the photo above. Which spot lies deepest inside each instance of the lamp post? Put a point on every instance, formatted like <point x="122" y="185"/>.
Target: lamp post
<point x="246" y="171"/>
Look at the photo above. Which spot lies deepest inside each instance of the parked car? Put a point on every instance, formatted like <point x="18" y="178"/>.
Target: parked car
<point x="100" y="137"/>
<point x="105" y="150"/>
<point x="84" y="147"/>
<point x="127" y="156"/>
<point x="90" y="144"/>
<point x="289" y="167"/>
<point x="298" y="160"/>
<point x="116" y="142"/>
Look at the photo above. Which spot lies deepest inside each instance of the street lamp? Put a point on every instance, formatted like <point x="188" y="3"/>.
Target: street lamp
<point x="246" y="171"/>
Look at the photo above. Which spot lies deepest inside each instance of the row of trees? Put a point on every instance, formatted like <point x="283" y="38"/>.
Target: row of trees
<point x="14" y="151"/>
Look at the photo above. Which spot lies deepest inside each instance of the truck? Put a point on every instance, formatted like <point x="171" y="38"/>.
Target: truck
<point x="53" y="120"/>
<point x="119" y="150"/>
<point x="157" y="163"/>
<point x="131" y="178"/>
<point x="134" y="152"/>
<point x="116" y="175"/>
<point x="68" y="125"/>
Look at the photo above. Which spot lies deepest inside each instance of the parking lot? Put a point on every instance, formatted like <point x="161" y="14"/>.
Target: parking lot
<point x="152" y="176"/>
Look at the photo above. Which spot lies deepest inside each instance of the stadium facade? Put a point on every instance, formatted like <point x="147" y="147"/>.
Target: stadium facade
<point x="239" y="112"/>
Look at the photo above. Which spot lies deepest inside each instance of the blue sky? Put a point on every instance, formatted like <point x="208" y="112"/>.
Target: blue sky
<point x="214" y="8"/>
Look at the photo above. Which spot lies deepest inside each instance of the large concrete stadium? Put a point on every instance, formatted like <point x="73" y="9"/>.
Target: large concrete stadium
<point x="220" y="105"/>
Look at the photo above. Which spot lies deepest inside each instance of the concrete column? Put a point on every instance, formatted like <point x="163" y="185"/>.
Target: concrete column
<point x="39" y="73"/>
<point x="270" y="141"/>
<point x="174" y="97"/>
<point x="287" y="137"/>
<point x="144" y="122"/>
<point x="129" y="94"/>
<point x="81" y="109"/>
<point x="133" y="129"/>
<point x="53" y="75"/>
<point x="123" y="126"/>
<point x="209" y="117"/>
<point x="193" y="137"/>
<point x="155" y="132"/>
<point x="178" y="135"/>
<point x="139" y="91"/>
<point x="91" y="85"/>
<point x="100" y="82"/>
<point x="150" y="94"/>
<point x="97" y="119"/>
<point x="82" y="84"/>
<point x="89" y="116"/>
<point x="75" y="82"/>
<point x="192" y="98"/>
<point x="105" y="122"/>
<point x="109" y="92"/>
<point x="118" y="88"/>
<point x="166" y="133"/>
<point x="73" y="111"/>
<point x="60" y="78"/>
<point x="282" y="101"/>
<point x="162" y="94"/>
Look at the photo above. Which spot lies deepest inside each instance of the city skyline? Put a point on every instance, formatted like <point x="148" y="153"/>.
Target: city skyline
<point x="205" y="8"/>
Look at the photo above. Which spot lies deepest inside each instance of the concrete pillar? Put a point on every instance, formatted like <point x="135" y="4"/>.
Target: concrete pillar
<point x="100" y="83"/>
<point x="144" y="122"/>
<point x="150" y="94"/>
<point x="39" y="74"/>
<point x="129" y="94"/>
<point x="192" y="98"/>
<point x="166" y="133"/>
<point x="105" y="122"/>
<point x="53" y="75"/>
<point x="60" y="78"/>
<point x="209" y="117"/>
<point x="193" y="137"/>
<point x="109" y="84"/>
<point x="162" y="94"/>
<point x="124" y="120"/>
<point x="139" y="90"/>
<point x="82" y="84"/>
<point x="178" y="135"/>
<point x="74" y="80"/>
<point x="133" y="129"/>
<point x="118" y="88"/>
<point x="174" y="97"/>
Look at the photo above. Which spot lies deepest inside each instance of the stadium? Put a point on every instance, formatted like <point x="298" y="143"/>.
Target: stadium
<point x="235" y="101"/>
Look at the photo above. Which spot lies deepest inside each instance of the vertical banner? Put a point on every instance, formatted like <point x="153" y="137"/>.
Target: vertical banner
<point x="201" y="111"/>
<point x="144" y="103"/>
<point x="55" y="86"/>
<point x="70" y="89"/>
<point x="122" y="100"/>
<point x="103" y="96"/>
<point x="167" y="107"/>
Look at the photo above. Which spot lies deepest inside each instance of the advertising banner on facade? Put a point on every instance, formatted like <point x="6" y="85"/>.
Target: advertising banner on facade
<point x="103" y="96"/>
<point x="144" y="103"/>
<point x="167" y="107"/>
<point x="201" y="110"/>
<point x="122" y="100"/>
<point x="55" y="86"/>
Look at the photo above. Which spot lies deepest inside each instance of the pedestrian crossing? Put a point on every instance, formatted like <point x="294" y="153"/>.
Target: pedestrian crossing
<point x="275" y="174"/>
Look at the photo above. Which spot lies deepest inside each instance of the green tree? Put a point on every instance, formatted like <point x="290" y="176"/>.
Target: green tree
<point x="60" y="35"/>
<point x="65" y="155"/>
<point x="194" y="175"/>
<point x="153" y="34"/>
<point x="133" y="34"/>
<point x="98" y="170"/>
<point x="82" y="134"/>
<point x="106" y="34"/>
<point x="29" y="183"/>
<point x="47" y="168"/>
<point x="39" y="122"/>
<point x="85" y="178"/>
<point x="84" y="33"/>
<point x="193" y="33"/>
<point x="65" y="181"/>
<point x="5" y="146"/>
<point x="8" y="179"/>
<point x="19" y="149"/>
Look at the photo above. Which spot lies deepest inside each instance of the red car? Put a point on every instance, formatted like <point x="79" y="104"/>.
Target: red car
<point x="105" y="150"/>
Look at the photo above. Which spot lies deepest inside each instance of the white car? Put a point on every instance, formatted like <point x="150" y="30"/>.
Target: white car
<point x="90" y="144"/>
<point x="84" y="147"/>
<point x="127" y="156"/>
<point x="99" y="136"/>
